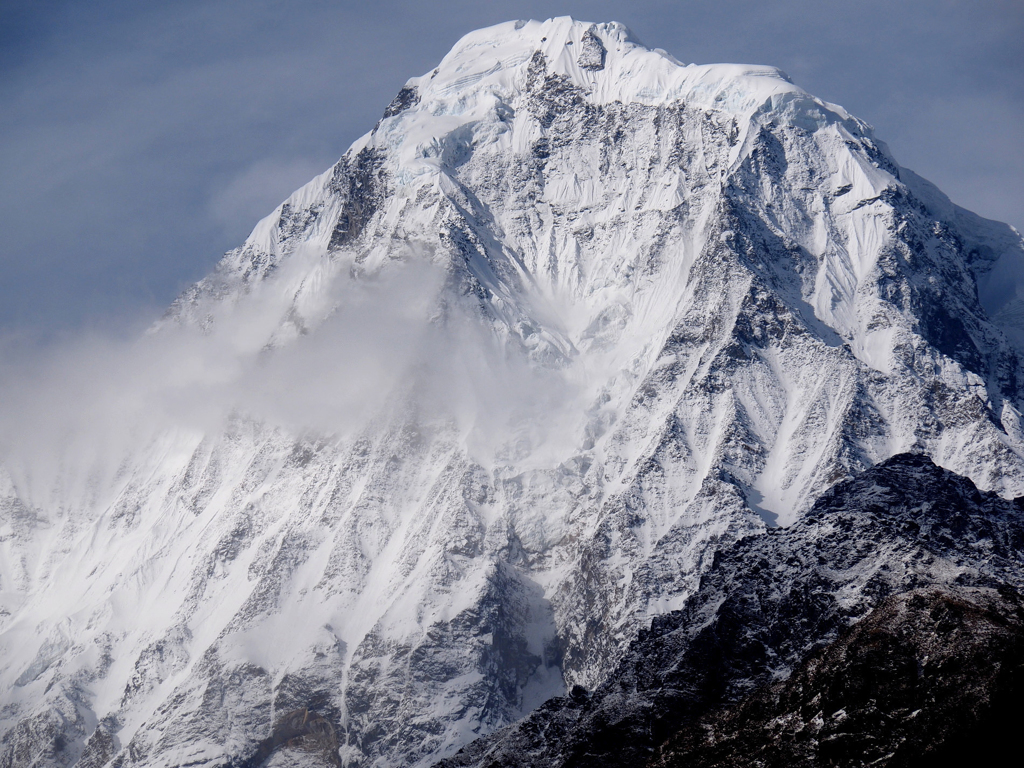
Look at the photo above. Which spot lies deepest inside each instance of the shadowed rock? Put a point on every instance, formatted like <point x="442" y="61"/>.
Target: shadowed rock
<point x="303" y="731"/>
<point x="930" y="677"/>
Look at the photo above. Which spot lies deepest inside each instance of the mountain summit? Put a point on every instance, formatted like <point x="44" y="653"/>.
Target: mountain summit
<point x="490" y="395"/>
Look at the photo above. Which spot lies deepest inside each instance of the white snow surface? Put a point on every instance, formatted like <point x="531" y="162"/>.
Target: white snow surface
<point x="485" y="397"/>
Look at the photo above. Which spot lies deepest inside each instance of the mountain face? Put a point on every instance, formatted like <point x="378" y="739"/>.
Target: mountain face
<point x="892" y="612"/>
<point x="490" y="396"/>
<point x="930" y="676"/>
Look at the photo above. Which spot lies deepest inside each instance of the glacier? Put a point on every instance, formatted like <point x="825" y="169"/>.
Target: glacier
<point x="469" y="410"/>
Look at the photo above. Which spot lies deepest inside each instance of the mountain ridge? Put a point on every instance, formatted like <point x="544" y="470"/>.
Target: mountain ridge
<point x="902" y="532"/>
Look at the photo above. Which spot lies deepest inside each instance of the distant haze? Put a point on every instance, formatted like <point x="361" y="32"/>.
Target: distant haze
<point x="140" y="141"/>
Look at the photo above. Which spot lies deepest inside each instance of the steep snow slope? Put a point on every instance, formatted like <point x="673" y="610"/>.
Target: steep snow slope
<point x="490" y="394"/>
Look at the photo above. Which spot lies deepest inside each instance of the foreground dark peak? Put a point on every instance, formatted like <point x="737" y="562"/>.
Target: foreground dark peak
<point x="876" y="551"/>
<point x="932" y="676"/>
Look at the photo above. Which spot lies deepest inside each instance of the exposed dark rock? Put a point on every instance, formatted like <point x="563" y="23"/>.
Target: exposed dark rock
<point x="301" y="730"/>
<point x="592" y="52"/>
<point x="930" y="677"/>
<point x="101" y="746"/>
<point x="770" y="601"/>
<point x="555" y="96"/>
<point x="407" y="97"/>
<point x="360" y="181"/>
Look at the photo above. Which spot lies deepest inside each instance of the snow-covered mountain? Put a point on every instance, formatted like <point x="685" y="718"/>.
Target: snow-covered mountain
<point x="484" y="398"/>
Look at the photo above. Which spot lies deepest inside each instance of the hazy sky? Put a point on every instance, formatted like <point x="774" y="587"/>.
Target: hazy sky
<point x="138" y="141"/>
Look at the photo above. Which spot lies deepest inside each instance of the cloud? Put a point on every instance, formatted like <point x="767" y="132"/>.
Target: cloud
<point x="394" y="346"/>
<point x="258" y="189"/>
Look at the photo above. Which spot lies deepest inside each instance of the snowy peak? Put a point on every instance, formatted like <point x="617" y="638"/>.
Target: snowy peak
<point x="477" y="85"/>
<point x="606" y="59"/>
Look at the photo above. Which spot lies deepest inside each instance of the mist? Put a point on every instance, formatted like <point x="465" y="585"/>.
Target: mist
<point x="397" y="346"/>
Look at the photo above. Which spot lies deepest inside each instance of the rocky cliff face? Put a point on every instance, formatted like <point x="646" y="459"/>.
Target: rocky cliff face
<point x="570" y="320"/>
<point x="761" y="667"/>
<point x="930" y="676"/>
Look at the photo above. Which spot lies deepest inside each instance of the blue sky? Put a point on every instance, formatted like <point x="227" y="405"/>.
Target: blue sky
<point x="138" y="141"/>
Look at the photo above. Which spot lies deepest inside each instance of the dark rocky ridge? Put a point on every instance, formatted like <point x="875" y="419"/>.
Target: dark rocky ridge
<point x="929" y="677"/>
<point x="904" y="528"/>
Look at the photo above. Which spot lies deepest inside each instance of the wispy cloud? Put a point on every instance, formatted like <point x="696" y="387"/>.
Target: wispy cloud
<point x="397" y="345"/>
<point x="256" y="190"/>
